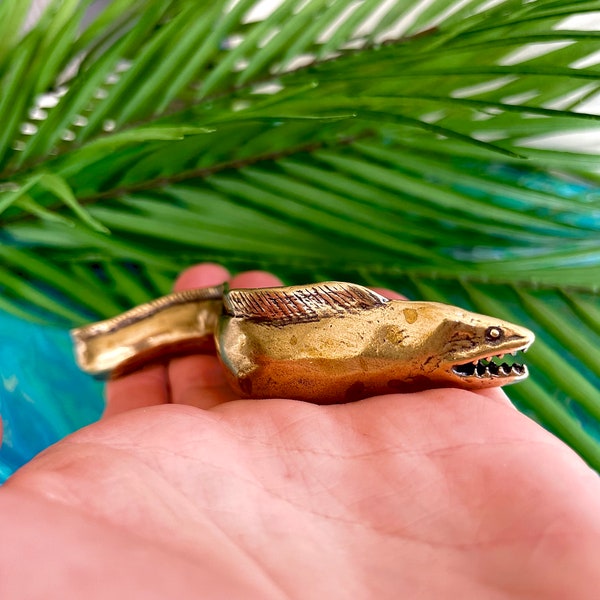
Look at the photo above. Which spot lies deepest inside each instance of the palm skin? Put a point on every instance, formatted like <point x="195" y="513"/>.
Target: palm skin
<point x="183" y="491"/>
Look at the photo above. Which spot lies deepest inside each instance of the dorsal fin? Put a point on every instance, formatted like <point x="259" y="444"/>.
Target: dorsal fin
<point x="301" y="303"/>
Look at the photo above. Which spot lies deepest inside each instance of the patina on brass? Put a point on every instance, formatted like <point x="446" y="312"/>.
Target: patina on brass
<point x="326" y="342"/>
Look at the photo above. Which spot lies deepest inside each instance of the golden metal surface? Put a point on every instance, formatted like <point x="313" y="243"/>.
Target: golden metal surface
<point x="325" y="343"/>
<point x="179" y="323"/>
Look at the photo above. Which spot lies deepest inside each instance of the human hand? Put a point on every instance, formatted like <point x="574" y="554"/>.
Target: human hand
<point x="183" y="491"/>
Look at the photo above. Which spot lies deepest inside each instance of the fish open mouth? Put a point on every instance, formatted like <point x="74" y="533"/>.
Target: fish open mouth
<point x="494" y="367"/>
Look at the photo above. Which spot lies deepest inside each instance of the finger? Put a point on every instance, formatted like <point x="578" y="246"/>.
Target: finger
<point x="389" y="294"/>
<point x="150" y="386"/>
<point x="138" y="390"/>
<point x="199" y="380"/>
<point x="251" y="279"/>
<point x="497" y="395"/>
<point x="204" y="275"/>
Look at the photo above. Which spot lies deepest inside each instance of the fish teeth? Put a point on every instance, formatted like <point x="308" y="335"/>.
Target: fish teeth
<point x="504" y="369"/>
<point x="491" y="368"/>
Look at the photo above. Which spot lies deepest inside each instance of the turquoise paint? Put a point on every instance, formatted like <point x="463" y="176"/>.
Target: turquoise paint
<point x="43" y="395"/>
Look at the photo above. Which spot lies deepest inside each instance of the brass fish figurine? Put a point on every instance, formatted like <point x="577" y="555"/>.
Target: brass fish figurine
<point x="326" y="342"/>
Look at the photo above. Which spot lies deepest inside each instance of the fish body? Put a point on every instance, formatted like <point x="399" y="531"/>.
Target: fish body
<point x="325" y="343"/>
<point x="373" y="346"/>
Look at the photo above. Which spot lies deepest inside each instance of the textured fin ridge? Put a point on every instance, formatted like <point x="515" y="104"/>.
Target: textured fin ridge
<point x="301" y="304"/>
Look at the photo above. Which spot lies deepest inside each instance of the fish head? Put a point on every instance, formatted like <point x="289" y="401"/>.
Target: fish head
<point x="464" y="349"/>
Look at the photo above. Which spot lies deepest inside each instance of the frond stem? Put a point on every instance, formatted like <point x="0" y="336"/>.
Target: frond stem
<point x="163" y="181"/>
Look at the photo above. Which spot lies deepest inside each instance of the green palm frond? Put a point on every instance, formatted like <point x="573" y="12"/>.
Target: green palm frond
<point x="388" y="142"/>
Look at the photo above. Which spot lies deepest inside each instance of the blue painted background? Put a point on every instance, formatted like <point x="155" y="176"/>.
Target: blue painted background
<point x="43" y="395"/>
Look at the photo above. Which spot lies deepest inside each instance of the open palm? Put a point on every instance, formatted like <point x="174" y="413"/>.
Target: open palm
<point x="185" y="492"/>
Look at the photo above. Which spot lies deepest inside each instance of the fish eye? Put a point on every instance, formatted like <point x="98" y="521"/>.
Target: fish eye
<point x="493" y="334"/>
